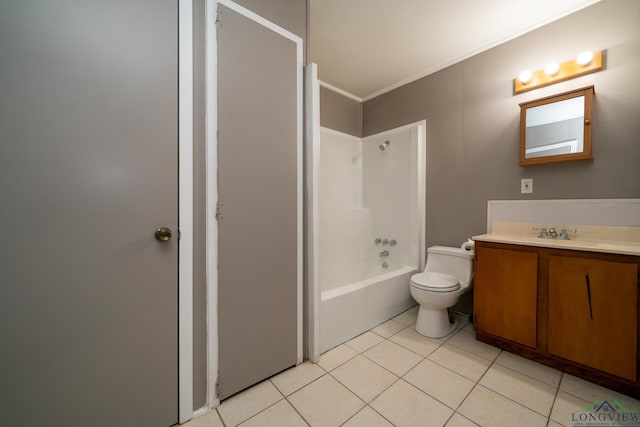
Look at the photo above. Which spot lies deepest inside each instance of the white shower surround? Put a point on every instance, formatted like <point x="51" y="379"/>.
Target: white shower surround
<point x="366" y="193"/>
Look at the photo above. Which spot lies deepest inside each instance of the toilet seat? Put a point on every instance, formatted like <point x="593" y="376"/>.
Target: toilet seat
<point x="435" y="282"/>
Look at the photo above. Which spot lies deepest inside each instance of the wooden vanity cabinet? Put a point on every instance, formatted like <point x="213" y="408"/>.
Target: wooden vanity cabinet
<point x="573" y="310"/>
<point x="505" y="304"/>
<point x="593" y="311"/>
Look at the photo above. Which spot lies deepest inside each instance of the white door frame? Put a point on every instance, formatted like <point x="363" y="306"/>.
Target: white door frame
<point x="212" y="182"/>
<point x="185" y="210"/>
<point x="312" y="123"/>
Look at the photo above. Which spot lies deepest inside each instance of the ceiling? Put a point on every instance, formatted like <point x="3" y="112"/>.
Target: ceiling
<point x="368" y="47"/>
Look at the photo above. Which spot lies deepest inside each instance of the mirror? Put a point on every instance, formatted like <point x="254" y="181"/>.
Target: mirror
<point x="556" y="128"/>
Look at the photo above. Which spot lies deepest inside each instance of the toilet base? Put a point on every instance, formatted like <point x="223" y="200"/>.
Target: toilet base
<point x="434" y="323"/>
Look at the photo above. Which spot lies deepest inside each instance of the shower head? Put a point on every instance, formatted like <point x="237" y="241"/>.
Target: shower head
<point x="384" y="145"/>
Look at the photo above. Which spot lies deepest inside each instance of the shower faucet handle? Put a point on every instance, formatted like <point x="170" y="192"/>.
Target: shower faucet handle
<point x="385" y="242"/>
<point x="392" y="242"/>
<point x="377" y="241"/>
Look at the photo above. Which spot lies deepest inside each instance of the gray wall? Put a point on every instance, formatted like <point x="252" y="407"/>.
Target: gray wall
<point x="473" y="121"/>
<point x="340" y="113"/>
<point x="291" y="15"/>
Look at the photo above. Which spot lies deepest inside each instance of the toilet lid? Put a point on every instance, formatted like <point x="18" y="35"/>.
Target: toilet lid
<point x="435" y="282"/>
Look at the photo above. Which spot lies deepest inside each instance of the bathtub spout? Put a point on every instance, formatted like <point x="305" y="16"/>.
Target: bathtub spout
<point x="384" y="254"/>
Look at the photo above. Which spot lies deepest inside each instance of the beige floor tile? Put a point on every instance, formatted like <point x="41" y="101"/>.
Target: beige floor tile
<point x="439" y="382"/>
<point x="462" y="321"/>
<point x="530" y="368"/>
<point x="367" y="417"/>
<point x="393" y="357"/>
<point x="363" y="377"/>
<point x="468" y="342"/>
<point x="405" y="405"/>
<point x="210" y="419"/>
<point x="408" y="317"/>
<point x="325" y="402"/>
<point x="469" y="328"/>
<point x="336" y="357"/>
<point x="460" y="361"/>
<point x="554" y="424"/>
<point x="590" y="392"/>
<point x="564" y="406"/>
<point x="410" y="339"/>
<point x="281" y="414"/>
<point x="489" y="409"/>
<point x="520" y="388"/>
<point x="365" y="341"/>
<point x="388" y="328"/>
<point x="459" y="421"/>
<point x="297" y="377"/>
<point x="246" y="404"/>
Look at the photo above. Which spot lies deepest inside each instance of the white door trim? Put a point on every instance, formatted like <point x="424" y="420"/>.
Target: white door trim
<point x="312" y="162"/>
<point x="212" y="182"/>
<point x="185" y="210"/>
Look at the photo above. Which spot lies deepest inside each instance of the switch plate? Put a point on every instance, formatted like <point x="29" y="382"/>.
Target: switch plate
<point x="526" y="185"/>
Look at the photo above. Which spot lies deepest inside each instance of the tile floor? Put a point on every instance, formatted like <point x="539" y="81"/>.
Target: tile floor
<point x="393" y="376"/>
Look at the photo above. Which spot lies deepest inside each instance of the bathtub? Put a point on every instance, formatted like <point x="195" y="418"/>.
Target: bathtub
<point x="350" y="310"/>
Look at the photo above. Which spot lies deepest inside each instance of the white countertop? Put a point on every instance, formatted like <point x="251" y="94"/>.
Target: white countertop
<point x="607" y="246"/>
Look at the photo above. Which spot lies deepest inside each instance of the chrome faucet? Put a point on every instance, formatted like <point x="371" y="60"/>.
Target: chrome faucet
<point x="563" y="233"/>
<point x="377" y="241"/>
<point x="543" y="232"/>
<point x="553" y="233"/>
<point x="384" y="254"/>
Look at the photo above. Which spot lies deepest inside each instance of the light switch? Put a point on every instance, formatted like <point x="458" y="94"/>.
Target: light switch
<point x="526" y="185"/>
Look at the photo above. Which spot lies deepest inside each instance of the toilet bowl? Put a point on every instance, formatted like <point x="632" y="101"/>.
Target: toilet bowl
<point x="447" y="275"/>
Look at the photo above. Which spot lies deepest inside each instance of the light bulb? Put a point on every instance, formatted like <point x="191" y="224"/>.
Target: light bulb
<point x="552" y="69"/>
<point x="525" y="77"/>
<point x="585" y="58"/>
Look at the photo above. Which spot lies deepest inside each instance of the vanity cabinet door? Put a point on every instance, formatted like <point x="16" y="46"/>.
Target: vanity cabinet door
<point x="505" y="294"/>
<point x="593" y="313"/>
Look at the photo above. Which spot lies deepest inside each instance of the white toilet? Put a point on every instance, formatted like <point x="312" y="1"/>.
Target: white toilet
<point x="446" y="276"/>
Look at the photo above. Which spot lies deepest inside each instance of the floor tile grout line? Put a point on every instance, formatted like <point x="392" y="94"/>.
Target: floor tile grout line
<point x="264" y="409"/>
<point x="555" y="398"/>
<point x="528" y="376"/>
<point x="402" y="377"/>
<point x="220" y="416"/>
<point x="296" y="409"/>
<point x="299" y="388"/>
<point x="387" y="388"/>
<point x="471" y="391"/>
<point x="399" y="376"/>
<point x="475" y="354"/>
<point x="455" y="372"/>
<point x="342" y="363"/>
<point x="507" y="397"/>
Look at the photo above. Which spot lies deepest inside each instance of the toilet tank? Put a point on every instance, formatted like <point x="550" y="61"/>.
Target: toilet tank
<point x="454" y="261"/>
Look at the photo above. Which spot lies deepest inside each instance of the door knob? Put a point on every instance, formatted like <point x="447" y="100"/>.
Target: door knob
<point x="163" y="234"/>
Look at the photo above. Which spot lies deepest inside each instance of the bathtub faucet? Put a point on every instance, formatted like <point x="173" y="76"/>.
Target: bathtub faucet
<point x="384" y="254"/>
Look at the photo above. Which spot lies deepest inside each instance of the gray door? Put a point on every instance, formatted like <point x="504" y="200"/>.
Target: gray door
<point x="88" y="171"/>
<point x="257" y="176"/>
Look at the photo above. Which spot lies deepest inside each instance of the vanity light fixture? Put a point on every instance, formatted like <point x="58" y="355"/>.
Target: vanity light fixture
<point x="525" y="76"/>
<point x="552" y="69"/>
<point x="585" y="63"/>
<point x="585" y="58"/>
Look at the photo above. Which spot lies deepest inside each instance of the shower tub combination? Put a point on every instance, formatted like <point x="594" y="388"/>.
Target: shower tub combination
<point x="371" y="216"/>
